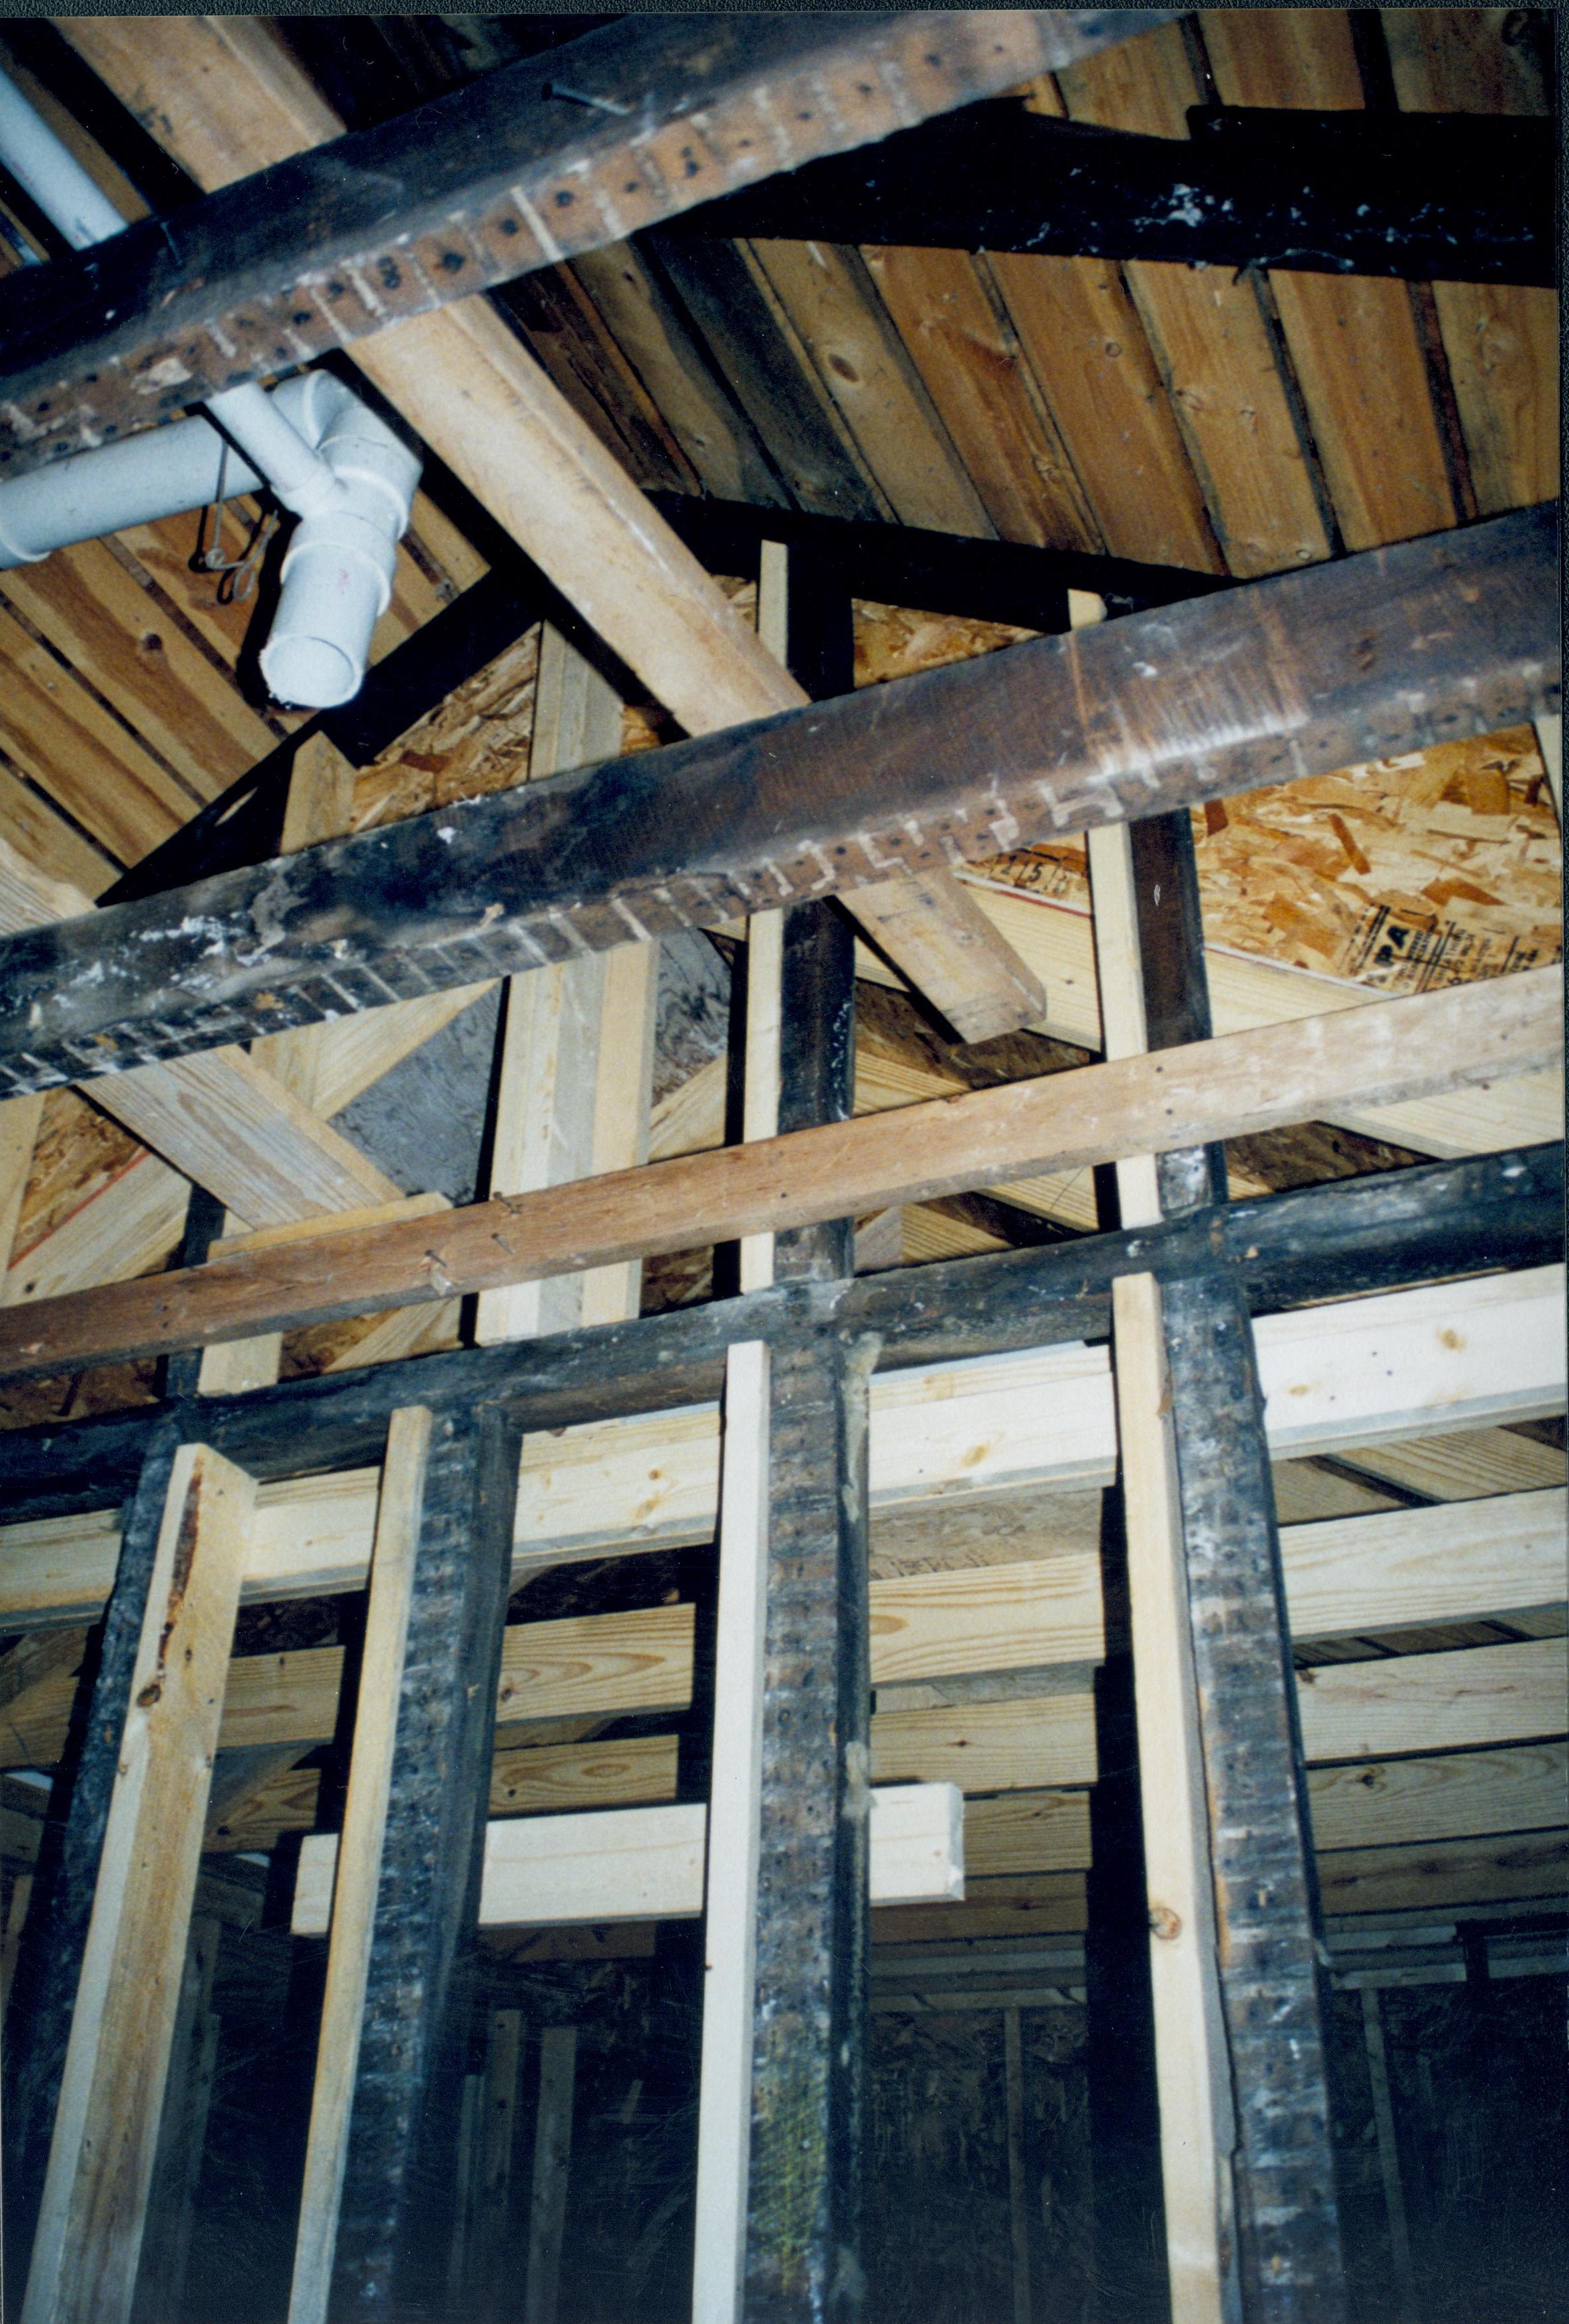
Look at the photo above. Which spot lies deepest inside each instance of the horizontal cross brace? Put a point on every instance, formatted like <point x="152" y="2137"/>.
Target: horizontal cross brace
<point x="1315" y="670"/>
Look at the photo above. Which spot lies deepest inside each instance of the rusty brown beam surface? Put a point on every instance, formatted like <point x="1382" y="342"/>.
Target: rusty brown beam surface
<point x="1232" y="1087"/>
<point x="1388" y="651"/>
<point x="529" y="165"/>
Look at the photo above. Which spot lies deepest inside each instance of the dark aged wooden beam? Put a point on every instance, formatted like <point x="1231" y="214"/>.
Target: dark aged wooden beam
<point x="938" y="572"/>
<point x="1255" y="1784"/>
<point x="55" y="1934"/>
<point x="809" y="2020"/>
<point x="1451" y="197"/>
<point x="398" y="2197"/>
<point x="1387" y="652"/>
<point x="1232" y="1087"/>
<point x="521" y="168"/>
<point x="1494" y="1212"/>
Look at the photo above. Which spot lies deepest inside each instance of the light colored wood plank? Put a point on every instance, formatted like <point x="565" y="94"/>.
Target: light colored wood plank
<point x="1083" y="340"/>
<point x="724" y="2118"/>
<point x="1246" y="992"/>
<point x="1412" y="1703"/>
<point x="993" y="1618"/>
<point x="1403" y="1567"/>
<point x="1502" y="340"/>
<point x="1026" y="1832"/>
<point x="1211" y="343"/>
<point x="1192" y="2062"/>
<point x="129" y="1228"/>
<point x="1354" y="345"/>
<point x="865" y="372"/>
<point x="1145" y="84"/>
<point x="1463" y="60"/>
<point x="1229" y="1087"/>
<point x="577" y="1051"/>
<point x="115" y="632"/>
<point x="970" y="364"/>
<point x="358" y="1872"/>
<point x="73" y="748"/>
<point x="932" y="927"/>
<point x="1119" y="983"/>
<point x="1036" y="1743"/>
<point x="46" y="839"/>
<point x="1444" y="1874"/>
<point x="1490" y="1347"/>
<point x="641" y="1864"/>
<point x="100" y="2164"/>
<point x="1459" y="1796"/>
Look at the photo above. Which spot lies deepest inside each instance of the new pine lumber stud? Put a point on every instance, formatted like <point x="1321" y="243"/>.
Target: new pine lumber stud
<point x="55" y="1934"/>
<point x="93" y="2209"/>
<point x="1176" y="1099"/>
<point x="1299" y="675"/>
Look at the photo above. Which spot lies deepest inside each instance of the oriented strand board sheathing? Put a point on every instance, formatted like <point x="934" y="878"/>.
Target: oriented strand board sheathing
<point x="1406" y="873"/>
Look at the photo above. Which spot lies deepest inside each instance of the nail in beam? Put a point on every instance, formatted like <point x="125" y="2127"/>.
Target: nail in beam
<point x="1288" y="2227"/>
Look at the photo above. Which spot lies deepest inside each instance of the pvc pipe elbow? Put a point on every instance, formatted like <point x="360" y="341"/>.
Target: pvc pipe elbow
<point x="337" y="573"/>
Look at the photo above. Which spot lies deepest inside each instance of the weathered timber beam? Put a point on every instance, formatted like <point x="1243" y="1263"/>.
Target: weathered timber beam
<point x="1387" y="652"/>
<point x="1494" y="1212"/>
<point x="940" y="572"/>
<point x="519" y="169"/>
<point x="1451" y="197"/>
<point x="1178" y="1098"/>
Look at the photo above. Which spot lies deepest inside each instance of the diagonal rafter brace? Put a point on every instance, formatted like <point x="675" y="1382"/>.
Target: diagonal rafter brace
<point x="527" y="166"/>
<point x="1391" y="650"/>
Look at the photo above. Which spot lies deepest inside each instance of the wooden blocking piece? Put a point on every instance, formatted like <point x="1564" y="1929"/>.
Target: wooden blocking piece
<point x="809" y="2020"/>
<point x="1290" y="2237"/>
<point x="761" y="1062"/>
<point x="648" y="1864"/>
<point x="321" y="795"/>
<point x="724" y="2118"/>
<point x="552" y="2156"/>
<point x="358" y="1857"/>
<point x="390" y="2236"/>
<point x="1192" y="2068"/>
<point x="50" y="1957"/>
<point x="105" y="2130"/>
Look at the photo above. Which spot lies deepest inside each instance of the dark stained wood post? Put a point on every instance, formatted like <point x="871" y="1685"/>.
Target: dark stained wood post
<point x="396" y="2210"/>
<point x="811" y="2018"/>
<point x="1286" y="2211"/>
<point x="49" y="1964"/>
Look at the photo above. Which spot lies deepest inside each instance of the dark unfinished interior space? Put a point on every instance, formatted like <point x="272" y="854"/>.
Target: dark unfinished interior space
<point x="782" y="1312"/>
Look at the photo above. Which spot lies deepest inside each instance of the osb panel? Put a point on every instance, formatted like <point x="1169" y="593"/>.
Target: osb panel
<point x="1409" y="872"/>
<point x="892" y="642"/>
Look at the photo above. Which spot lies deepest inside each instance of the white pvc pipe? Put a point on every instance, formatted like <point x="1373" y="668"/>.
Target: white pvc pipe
<point x="50" y="174"/>
<point x="347" y="477"/>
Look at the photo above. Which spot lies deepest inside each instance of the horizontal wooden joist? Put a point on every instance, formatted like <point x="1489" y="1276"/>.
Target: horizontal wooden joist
<point x="1500" y="1211"/>
<point x="523" y="168"/>
<point x="1300" y="675"/>
<point x="1226" y="1088"/>
<point x="1454" y="198"/>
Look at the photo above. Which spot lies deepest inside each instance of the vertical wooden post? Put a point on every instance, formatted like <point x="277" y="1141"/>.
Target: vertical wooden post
<point x="394" y="2213"/>
<point x="359" y="1858"/>
<point x="105" y="2128"/>
<point x="503" y="2058"/>
<point x="552" y="2160"/>
<point x="1245" y="1697"/>
<point x="55" y="1934"/>
<point x="809" y="2020"/>
<point x="577" y="1042"/>
<point x="1018" y="2187"/>
<point x="1378" y="2074"/>
<point x="724" y="2118"/>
